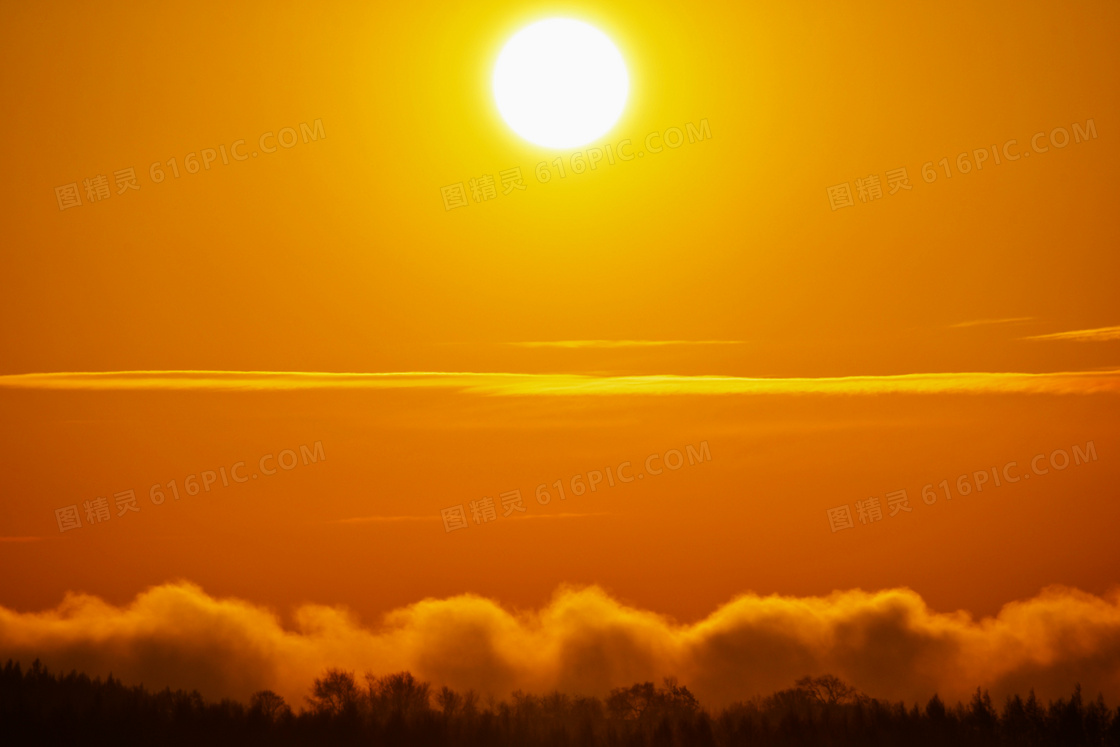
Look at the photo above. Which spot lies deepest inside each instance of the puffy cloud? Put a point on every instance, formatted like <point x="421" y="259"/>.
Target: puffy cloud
<point x="888" y="643"/>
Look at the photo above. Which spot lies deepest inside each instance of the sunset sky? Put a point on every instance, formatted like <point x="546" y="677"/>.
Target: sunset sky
<point x="717" y="295"/>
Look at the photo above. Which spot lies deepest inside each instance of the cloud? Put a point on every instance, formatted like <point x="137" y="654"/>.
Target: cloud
<point x="985" y="322"/>
<point x="382" y="519"/>
<point x="1100" y="334"/>
<point x="888" y="643"/>
<point x="620" y="343"/>
<point x="400" y="519"/>
<point x="522" y="384"/>
<point x="560" y="516"/>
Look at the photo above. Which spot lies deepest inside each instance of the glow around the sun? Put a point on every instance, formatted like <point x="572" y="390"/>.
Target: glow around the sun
<point x="560" y="83"/>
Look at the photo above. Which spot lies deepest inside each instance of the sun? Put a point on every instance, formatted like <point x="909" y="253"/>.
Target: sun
<point x="560" y="83"/>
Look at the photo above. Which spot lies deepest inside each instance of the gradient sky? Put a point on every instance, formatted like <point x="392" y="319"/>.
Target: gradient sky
<point x="594" y="300"/>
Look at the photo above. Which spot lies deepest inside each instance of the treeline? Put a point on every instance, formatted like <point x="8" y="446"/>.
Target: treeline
<point x="41" y="708"/>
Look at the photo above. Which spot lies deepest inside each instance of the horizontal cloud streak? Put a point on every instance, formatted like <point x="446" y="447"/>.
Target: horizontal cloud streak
<point x="1100" y="334"/>
<point x="406" y="519"/>
<point x="986" y="322"/>
<point x="889" y="644"/>
<point x="521" y="384"/>
<point x="382" y="519"/>
<point x="574" y="344"/>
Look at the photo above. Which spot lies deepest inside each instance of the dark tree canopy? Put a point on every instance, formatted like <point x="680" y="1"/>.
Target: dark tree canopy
<point x="38" y="707"/>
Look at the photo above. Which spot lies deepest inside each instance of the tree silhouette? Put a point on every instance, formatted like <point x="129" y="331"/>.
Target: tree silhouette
<point x="334" y="693"/>
<point x="829" y="689"/>
<point x="39" y="708"/>
<point x="269" y="705"/>
<point x="449" y="701"/>
<point x="398" y="694"/>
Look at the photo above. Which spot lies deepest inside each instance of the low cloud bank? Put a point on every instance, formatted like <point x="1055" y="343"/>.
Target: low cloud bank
<point x="888" y="644"/>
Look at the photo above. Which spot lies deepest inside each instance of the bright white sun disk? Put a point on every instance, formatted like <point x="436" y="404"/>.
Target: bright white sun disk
<point x="560" y="83"/>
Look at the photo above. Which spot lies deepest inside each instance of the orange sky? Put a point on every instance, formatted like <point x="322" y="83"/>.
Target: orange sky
<point x="616" y="313"/>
